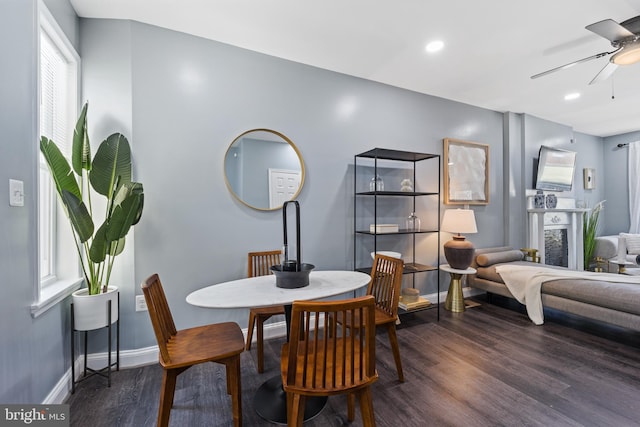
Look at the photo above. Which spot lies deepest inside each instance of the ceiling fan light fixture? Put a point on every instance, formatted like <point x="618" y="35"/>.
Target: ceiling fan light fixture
<point x="629" y="54"/>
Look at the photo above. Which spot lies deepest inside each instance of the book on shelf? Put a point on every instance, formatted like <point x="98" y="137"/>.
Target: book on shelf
<point x="420" y="303"/>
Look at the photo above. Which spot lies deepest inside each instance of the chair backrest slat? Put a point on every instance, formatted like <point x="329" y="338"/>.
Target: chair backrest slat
<point x="385" y="284"/>
<point x="259" y="263"/>
<point x="160" y="314"/>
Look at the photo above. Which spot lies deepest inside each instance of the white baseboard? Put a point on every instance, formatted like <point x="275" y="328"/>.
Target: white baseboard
<point x="128" y="359"/>
<point x="149" y="355"/>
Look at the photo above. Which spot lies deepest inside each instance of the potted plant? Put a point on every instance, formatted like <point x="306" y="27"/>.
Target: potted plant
<point x="589" y="231"/>
<point x="109" y="175"/>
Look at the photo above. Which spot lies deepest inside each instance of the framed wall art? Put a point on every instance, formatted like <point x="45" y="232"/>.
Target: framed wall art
<point x="466" y="172"/>
<point x="589" y="178"/>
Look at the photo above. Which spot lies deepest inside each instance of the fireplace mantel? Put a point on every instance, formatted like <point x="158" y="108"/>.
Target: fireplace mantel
<point x="572" y="218"/>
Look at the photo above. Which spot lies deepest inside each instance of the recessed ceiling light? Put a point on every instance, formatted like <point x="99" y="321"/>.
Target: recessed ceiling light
<point x="571" y="96"/>
<point x="435" y="46"/>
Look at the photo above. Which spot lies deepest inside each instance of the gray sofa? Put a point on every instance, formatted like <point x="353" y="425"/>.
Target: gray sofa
<point x="607" y="301"/>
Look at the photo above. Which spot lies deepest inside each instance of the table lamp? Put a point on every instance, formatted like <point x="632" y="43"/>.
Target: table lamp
<point x="459" y="252"/>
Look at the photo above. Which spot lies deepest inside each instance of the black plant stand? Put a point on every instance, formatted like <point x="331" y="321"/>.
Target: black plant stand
<point x="110" y="365"/>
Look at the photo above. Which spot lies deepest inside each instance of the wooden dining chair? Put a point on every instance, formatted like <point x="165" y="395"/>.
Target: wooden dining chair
<point x="259" y="264"/>
<point x="385" y="284"/>
<point x="179" y="350"/>
<point x="328" y="358"/>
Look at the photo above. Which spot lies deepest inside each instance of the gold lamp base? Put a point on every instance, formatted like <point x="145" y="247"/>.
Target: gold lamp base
<point x="455" y="298"/>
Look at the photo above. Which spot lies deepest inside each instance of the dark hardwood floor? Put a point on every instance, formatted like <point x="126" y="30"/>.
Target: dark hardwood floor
<point x="489" y="366"/>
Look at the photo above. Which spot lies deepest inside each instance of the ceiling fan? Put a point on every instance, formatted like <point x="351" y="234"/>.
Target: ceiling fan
<point x="624" y="37"/>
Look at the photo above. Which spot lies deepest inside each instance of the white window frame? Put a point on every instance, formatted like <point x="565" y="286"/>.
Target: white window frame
<point x="54" y="234"/>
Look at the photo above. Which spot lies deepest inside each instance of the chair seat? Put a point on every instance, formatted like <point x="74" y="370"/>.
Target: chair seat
<point x="382" y="318"/>
<point x="325" y="373"/>
<point x="271" y="310"/>
<point x="194" y="345"/>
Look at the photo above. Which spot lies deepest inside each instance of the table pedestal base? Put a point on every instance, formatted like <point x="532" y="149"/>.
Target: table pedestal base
<point x="270" y="402"/>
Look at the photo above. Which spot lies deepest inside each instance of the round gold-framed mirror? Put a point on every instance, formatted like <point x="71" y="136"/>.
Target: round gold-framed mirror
<point x="263" y="169"/>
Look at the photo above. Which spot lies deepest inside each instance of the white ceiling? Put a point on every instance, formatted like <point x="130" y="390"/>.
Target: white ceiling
<point x="492" y="47"/>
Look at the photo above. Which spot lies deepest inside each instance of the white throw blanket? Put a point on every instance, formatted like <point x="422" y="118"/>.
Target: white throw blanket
<point x="525" y="282"/>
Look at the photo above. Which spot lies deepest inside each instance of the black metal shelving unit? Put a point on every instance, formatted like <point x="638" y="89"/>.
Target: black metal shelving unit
<point x="360" y="235"/>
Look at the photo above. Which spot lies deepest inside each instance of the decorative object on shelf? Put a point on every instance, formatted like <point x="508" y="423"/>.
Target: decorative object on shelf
<point x="466" y="172"/>
<point x="109" y="174"/>
<point x="551" y="201"/>
<point x="589" y="231"/>
<point x="410" y="295"/>
<point x="376" y="184"/>
<point x="413" y="222"/>
<point x="386" y="253"/>
<point x="539" y="200"/>
<point x="292" y="273"/>
<point x="406" y="185"/>
<point x="589" y="178"/>
<point x="419" y="303"/>
<point x="258" y="154"/>
<point x="383" y="228"/>
<point x="459" y="252"/>
<point x="530" y="254"/>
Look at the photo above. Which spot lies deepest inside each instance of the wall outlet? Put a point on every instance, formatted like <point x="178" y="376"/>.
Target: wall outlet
<point x="141" y="303"/>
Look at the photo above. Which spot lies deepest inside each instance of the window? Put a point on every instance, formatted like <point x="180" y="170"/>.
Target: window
<point x="58" y="107"/>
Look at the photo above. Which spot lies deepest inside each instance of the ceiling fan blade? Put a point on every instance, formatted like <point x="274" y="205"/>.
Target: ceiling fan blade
<point x="571" y="64"/>
<point x="605" y="73"/>
<point x="610" y="30"/>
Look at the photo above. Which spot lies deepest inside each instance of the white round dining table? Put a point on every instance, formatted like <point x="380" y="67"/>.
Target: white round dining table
<point x="262" y="291"/>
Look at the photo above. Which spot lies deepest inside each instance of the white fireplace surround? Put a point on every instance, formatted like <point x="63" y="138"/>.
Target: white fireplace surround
<point x="564" y="213"/>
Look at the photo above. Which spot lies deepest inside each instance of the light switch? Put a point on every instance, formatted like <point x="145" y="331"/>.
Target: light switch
<point x="16" y="193"/>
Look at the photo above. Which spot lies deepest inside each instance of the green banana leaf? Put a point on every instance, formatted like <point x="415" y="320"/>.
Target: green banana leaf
<point x="59" y="167"/>
<point x="81" y="150"/>
<point x="78" y="215"/>
<point x="101" y="246"/>
<point x="111" y="165"/>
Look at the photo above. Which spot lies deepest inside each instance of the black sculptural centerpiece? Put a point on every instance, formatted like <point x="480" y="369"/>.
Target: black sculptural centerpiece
<point x="292" y="273"/>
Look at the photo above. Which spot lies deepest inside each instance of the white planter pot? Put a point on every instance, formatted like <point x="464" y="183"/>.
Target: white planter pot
<point x="90" y="311"/>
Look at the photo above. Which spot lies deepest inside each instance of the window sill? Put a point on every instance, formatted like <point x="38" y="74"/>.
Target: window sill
<point x="53" y="294"/>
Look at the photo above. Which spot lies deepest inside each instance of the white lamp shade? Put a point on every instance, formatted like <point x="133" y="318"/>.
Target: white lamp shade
<point x="459" y="221"/>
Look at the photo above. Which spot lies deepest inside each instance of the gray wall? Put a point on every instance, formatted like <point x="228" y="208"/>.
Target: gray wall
<point x="615" y="179"/>
<point x="35" y="352"/>
<point x="524" y="134"/>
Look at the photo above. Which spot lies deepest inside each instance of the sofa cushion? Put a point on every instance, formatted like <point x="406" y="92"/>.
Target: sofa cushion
<point x="613" y="295"/>
<point x="488" y="259"/>
<point x="632" y="243"/>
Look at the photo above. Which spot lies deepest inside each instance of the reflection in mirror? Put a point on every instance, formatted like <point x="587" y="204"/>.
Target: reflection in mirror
<point x="263" y="169"/>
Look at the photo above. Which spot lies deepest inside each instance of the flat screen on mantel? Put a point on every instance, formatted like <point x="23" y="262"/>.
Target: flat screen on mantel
<point x="555" y="169"/>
